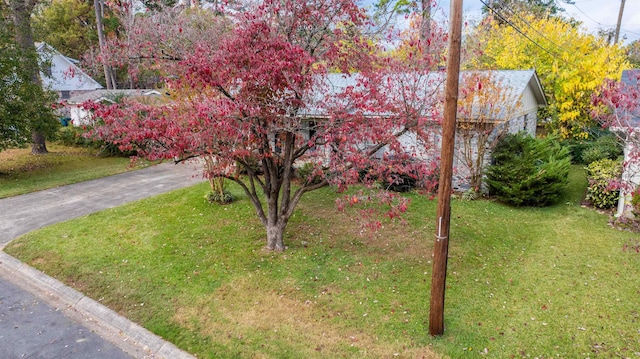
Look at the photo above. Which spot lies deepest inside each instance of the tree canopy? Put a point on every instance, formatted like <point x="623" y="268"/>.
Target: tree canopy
<point x="616" y="105"/>
<point x="14" y="129"/>
<point x="261" y="100"/>
<point x="67" y="25"/>
<point x="25" y="107"/>
<point x="571" y="63"/>
<point x="537" y="8"/>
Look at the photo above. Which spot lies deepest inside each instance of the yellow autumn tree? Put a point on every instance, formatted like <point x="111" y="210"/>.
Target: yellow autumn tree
<point x="570" y="62"/>
<point x="411" y="45"/>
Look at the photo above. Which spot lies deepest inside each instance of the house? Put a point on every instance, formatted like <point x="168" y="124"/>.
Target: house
<point x="629" y="131"/>
<point x="80" y="116"/>
<point x="61" y="74"/>
<point x="507" y="102"/>
<point x="520" y="96"/>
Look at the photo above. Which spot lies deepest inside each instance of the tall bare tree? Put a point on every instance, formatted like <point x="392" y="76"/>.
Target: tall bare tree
<point x="109" y="77"/>
<point x="386" y="10"/>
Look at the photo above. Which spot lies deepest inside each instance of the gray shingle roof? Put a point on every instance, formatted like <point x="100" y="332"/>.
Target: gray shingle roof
<point x="515" y="80"/>
<point x="631" y="78"/>
<point x="108" y="95"/>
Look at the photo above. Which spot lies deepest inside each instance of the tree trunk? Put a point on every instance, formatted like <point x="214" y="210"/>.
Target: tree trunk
<point x="425" y="25"/>
<point x="38" y="143"/>
<point x="275" y="235"/>
<point x="108" y="73"/>
<point x="21" y="14"/>
<point x="275" y="223"/>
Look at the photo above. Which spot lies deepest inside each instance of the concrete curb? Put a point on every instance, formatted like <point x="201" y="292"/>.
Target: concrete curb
<point x="129" y="336"/>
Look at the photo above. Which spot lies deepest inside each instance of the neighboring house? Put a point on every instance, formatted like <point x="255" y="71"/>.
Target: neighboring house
<point x="509" y="104"/>
<point x="80" y="116"/>
<point x="516" y="111"/>
<point x="630" y="131"/>
<point x="522" y="94"/>
<point x="61" y="74"/>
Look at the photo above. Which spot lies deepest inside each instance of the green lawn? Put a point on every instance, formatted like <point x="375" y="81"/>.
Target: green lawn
<point x="21" y="172"/>
<point x="555" y="282"/>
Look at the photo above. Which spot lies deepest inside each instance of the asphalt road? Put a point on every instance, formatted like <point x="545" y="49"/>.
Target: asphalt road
<point x="40" y="318"/>
<point x="30" y="328"/>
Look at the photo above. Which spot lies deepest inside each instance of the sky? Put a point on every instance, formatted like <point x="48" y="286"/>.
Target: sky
<point x="594" y="14"/>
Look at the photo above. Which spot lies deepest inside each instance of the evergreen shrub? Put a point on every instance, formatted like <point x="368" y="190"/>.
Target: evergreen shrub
<point x="75" y="136"/>
<point x="526" y="171"/>
<point x="220" y="198"/>
<point x="599" y="145"/>
<point x="306" y="173"/>
<point x="78" y="136"/>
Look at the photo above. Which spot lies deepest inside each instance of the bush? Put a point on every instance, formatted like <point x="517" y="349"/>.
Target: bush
<point x="75" y="136"/>
<point x="601" y="144"/>
<point x="635" y="202"/>
<point x="412" y="175"/>
<point x="79" y="137"/>
<point x="604" y="190"/>
<point x="528" y="172"/>
<point x="220" y="198"/>
<point x="306" y="171"/>
<point x="401" y="182"/>
<point x="604" y="147"/>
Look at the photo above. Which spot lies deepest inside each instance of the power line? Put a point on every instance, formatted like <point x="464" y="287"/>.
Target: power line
<point x="631" y="32"/>
<point x="590" y="18"/>
<point x="503" y="5"/>
<point x="599" y="23"/>
<point x="517" y="29"/>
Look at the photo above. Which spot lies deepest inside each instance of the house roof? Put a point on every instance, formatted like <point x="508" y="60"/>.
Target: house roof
<point x="63" y="74"/>
<point x="113" y="95"/>
<point x="521" y="92"/>
<point x="516" y="82"/>
<point x="519" y="80"/>
<point x="631" y="78"/>
<point x="336" y="84"/>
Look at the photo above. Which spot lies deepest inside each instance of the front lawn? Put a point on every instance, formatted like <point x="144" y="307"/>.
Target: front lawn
<point x="556" y="282"/>
<point x="21" y="172"/>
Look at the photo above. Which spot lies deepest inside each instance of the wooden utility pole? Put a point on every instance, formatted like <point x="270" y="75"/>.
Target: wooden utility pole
<point x="441" y="247"/>
<point x="619" y="21"/>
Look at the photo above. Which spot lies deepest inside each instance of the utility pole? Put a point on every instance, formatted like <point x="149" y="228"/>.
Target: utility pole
<point x="619" y="21"/>
<point x="443" y="217"/>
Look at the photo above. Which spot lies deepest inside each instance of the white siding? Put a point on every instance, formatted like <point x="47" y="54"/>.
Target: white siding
<point x="61" y="74"/>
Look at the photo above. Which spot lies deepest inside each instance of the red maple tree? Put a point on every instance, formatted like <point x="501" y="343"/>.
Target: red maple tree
<point x="616" y="106"/>
<point x="267" y="98"/>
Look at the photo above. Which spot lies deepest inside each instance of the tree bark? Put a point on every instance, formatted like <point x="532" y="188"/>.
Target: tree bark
<point x="275" y="235"/>
<point x="21" y="16"/>
<point x="108" y="73"/>
<point x="38" y="143"/>
<point x="425" y="25"/>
